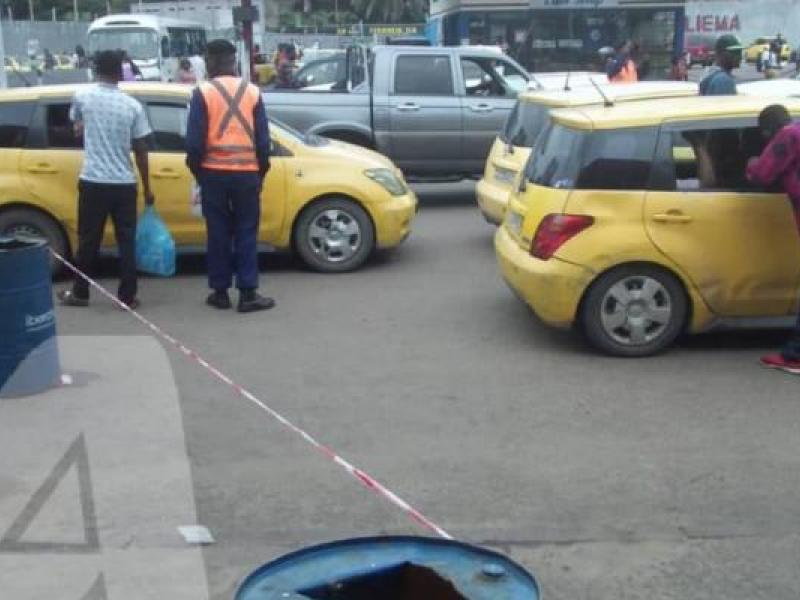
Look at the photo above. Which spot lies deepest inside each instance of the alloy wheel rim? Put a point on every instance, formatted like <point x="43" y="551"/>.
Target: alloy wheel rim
<point x="636" y="310"/>
<point x="334" y="235"/>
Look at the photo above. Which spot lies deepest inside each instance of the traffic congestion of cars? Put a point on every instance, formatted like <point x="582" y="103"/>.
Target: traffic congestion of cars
<point x="607" y="220"/>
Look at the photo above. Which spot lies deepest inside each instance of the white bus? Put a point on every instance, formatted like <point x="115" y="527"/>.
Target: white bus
<point x="155" y="44"/>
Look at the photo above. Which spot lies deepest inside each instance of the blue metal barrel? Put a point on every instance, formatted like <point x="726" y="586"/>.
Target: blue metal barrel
<point x="28" y="349"/>
<point x="391" y="568"/>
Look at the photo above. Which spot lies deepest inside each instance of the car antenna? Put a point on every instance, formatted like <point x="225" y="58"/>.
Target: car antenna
<point x="607" y="102"/>
<point x="566" y="82"/>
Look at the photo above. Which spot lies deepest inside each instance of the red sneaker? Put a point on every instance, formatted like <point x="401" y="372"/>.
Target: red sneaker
<point x="776" y="361"/>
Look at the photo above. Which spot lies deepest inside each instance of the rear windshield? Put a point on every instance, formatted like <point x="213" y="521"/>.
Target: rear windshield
<point x="617" y="159"/>
<point x="524" y="124"/>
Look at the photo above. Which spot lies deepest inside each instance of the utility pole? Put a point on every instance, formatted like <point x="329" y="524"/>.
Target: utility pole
<point x="30" y="9"/>
<point x="3" y="78"/>
<point x="75" y="10"/>
<point x="247" y="37"/>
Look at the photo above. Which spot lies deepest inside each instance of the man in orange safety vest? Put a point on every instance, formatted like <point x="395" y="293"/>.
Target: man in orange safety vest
<point x="227" y="150"/>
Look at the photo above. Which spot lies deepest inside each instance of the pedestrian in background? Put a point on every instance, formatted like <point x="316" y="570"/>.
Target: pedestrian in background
<point x="729" y="56"/>
<point x="780" y="161"/>
<point x="185" y="73"/>
<point x="130" y="72"/>
<point x="621" y="68"/>
<point x="680" y="70"/>
<point x="227" y="150"/>
<point x="111" y="123"/>
<point x="49" y="60"/>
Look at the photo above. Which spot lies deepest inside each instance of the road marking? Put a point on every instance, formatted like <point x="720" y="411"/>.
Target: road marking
<point x="12" y="540"/>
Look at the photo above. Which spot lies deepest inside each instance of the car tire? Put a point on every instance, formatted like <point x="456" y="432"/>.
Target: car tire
<point x="26" y="221"/>
<point x="634" y="311"/>
<point x="334" y="235"/>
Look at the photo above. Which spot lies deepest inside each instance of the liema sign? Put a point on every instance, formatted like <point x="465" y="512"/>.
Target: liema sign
<point x="713" y="23"/>
<point x="748" y="19"/>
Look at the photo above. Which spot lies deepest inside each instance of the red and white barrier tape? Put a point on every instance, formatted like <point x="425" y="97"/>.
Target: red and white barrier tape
<point x="363" y="478"/>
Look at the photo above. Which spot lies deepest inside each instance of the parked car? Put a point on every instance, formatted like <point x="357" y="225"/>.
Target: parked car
<point x="700" y="50"/>
<point x="753" y="52"/>
<point x="433" y="111"/>
<point x="330" y="202"/>
<point x="624" y="228"/>
<point x="513" y="145"/>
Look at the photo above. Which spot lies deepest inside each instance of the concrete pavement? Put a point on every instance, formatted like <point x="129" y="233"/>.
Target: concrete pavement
<point x="670" y="477"/>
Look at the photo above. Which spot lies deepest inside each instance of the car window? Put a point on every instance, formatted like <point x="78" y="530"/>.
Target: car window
<point x="555" y="163"/>
<point x="15" y="118"/>
<point x="525" y="123"/>
<point x="327" y="72"/>
<point x="491" y="77"/>
<point x="423" y="76"/>
<point x="168" y="122"/>
<point x="704" y="159"/>
<point x="618" y="159"/>
<point x="60" y="129"/>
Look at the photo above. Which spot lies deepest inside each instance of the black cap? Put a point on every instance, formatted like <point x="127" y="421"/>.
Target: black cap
<point x="220" y="47"/>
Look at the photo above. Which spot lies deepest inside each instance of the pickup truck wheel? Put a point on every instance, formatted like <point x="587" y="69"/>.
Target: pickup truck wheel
<point x="334" y="235"/>
<point x="634" y="311"/>
<point x="31" y="223"/>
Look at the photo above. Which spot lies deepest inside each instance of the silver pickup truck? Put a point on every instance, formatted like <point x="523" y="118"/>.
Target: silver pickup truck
<point x="434" y="111"/>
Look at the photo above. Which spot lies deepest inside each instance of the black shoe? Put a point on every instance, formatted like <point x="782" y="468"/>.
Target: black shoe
<point x="68" y="298"/>
<point x="252" y="301"/>
<point x="219" y="299"/>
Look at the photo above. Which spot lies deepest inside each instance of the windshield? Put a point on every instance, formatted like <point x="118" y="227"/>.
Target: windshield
<point x="524" y="124"/>
<point x="307" y="139"/>
<point x="140" y="44"/>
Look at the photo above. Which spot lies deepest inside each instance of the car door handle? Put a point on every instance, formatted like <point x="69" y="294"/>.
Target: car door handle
<point x="672" y="216"/>
<point x="42" y="169"/>
<point x="408" y="107"/>
<point x="481" y="108"/>
<point x="166" y="174"/>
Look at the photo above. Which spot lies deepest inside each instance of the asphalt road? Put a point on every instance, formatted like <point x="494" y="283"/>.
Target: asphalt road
<point x="664" y="478"/>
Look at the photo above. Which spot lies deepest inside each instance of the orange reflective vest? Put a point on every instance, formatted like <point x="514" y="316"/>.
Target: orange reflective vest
<point x="230" y="140"/>
<point x="627" y="74"/>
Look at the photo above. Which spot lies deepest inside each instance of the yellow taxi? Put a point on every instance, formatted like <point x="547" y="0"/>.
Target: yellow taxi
<point x="752" y="53"/>
<point x="512" y="147"/>
<point x="330" y="202"/>
<point x="636" y="223"/>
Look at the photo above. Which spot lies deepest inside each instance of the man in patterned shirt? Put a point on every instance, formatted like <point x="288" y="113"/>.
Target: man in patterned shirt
<point x="111" y="123"/>
<point x="780" y="161"/>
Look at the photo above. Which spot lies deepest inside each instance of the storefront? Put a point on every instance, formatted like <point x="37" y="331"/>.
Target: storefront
<point x="558" y="35"/>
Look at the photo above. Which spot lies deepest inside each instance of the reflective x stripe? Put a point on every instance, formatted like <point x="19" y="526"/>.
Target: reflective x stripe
<point x="233" y="108"/>
<point x="216" y="160"/>
<point x="231" y="148"/>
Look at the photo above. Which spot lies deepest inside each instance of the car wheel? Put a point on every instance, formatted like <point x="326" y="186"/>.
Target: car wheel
<point x="634" y="311"/>
<point x="334" y="235"/>
<point x="31" y="223"/>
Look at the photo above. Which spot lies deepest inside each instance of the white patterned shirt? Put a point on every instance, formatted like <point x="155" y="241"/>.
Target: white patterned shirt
<point x="111" y="119"/>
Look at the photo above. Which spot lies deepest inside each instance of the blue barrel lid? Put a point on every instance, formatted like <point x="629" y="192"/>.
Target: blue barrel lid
<point x="475" y="573"/>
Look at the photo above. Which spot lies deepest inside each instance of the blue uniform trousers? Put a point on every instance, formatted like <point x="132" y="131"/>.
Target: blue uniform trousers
<point x="232" y="209"/>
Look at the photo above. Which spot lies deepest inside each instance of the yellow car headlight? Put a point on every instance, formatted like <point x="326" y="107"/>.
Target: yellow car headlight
<point x="387" y="179"/>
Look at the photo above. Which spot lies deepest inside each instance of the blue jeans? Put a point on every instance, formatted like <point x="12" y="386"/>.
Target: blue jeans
<point x="791" y="351"/>
<point x="232" y="209"/>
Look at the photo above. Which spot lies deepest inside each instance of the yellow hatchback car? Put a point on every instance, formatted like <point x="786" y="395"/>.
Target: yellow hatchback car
<point x="513" y="146"/>
<point x="636" y="224"/>
<point x="331" y="202"/>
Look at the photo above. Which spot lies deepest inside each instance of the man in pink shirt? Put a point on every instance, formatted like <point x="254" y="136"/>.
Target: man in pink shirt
<point x="780" y="161"/>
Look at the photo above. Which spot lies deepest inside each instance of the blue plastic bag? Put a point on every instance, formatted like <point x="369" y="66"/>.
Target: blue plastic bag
<point x="155" y="248"/>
